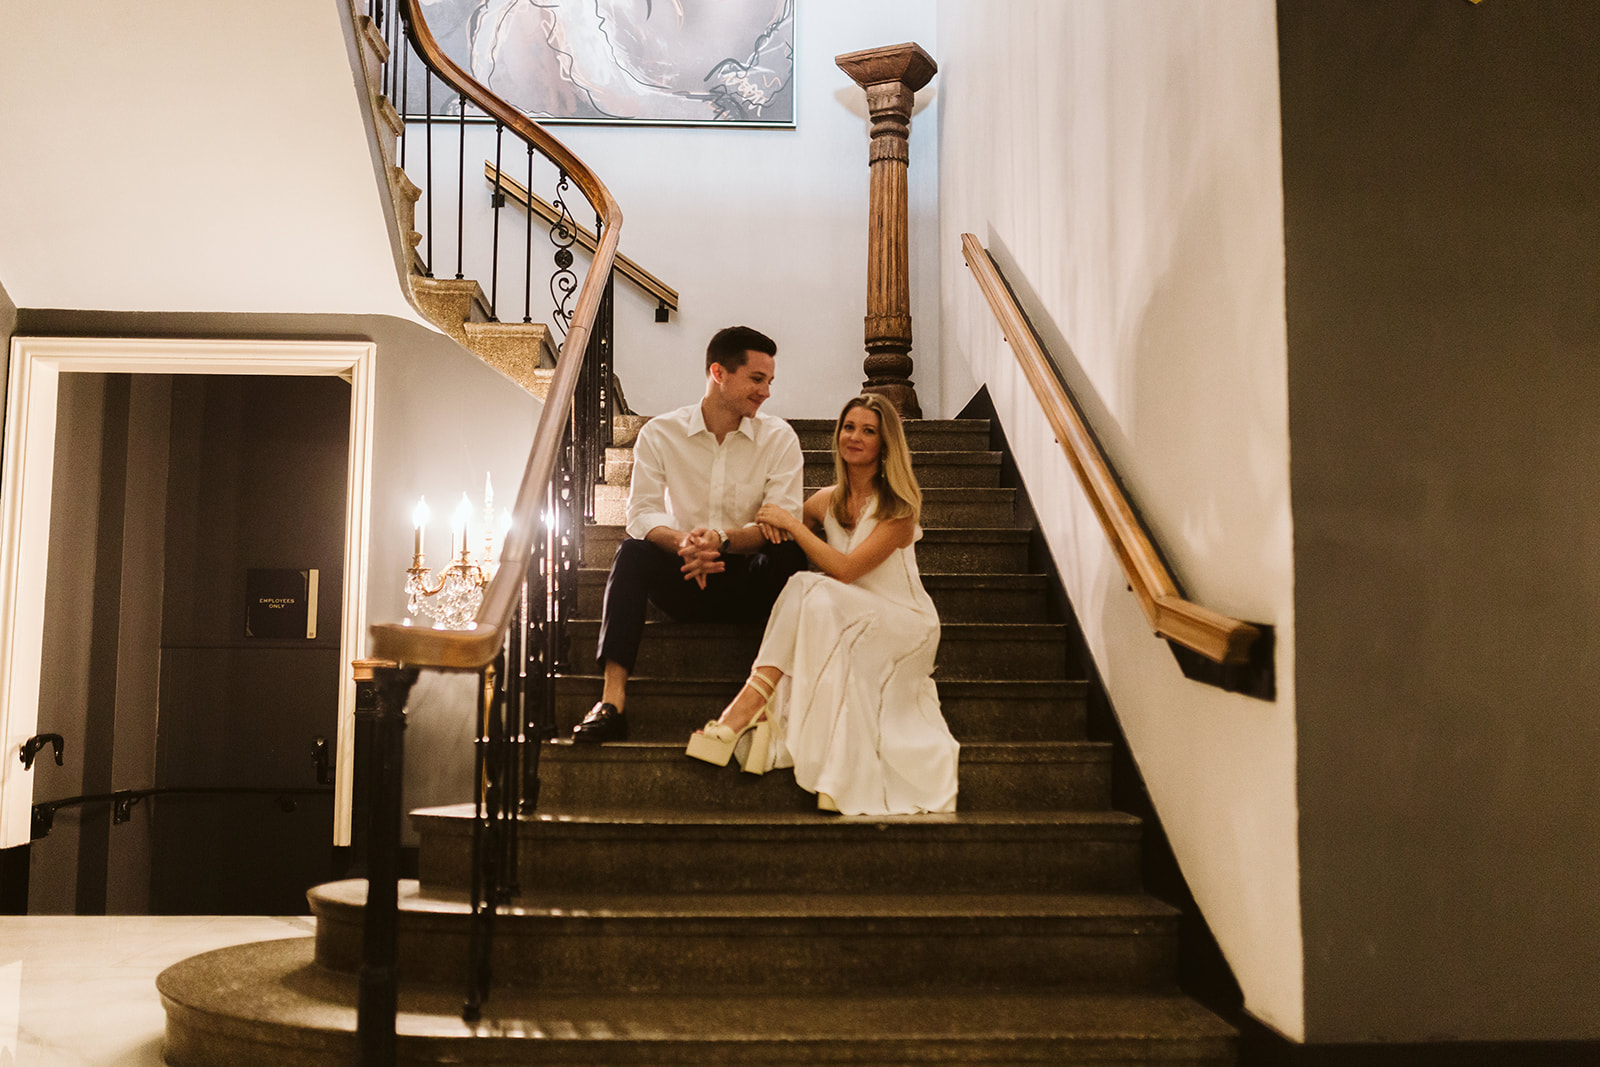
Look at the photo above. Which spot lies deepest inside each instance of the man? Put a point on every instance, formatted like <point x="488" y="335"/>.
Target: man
<point x="700" y="474"/>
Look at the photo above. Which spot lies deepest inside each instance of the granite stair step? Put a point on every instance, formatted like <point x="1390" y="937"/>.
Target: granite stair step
<point x="935" y="470"/>
<point x="957" y="597"/>
<point x="649" y="850"/>
<point x="951" y="550"/>
<point x="923" y="435"/>
<point x="810" y="942"/>
<point x="999" y="776"/>
<point x="966" y="649"/>
<point x="669" y="709"/>
<point x="940" y="507"/>
<point x="268" y="1004"/>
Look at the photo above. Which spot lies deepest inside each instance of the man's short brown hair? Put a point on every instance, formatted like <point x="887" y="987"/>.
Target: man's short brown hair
<point x="730" y="347"/>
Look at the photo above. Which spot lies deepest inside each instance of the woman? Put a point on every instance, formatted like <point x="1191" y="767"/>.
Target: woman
<point x="841" y="688"/>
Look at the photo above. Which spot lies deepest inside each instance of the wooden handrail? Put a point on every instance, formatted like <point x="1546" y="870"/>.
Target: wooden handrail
<point x="666" y="294"/>
<point x="1215" y="636"/>
<point x="475" y="649"/>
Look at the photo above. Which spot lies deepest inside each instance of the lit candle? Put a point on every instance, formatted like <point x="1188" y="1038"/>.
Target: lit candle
<point x="419" y="519"/>
<point x="488" y="495"/>
<point x="458" y="527"/>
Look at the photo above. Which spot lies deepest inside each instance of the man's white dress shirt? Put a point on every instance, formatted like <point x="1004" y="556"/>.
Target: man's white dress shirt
<point x="682" y="478"/>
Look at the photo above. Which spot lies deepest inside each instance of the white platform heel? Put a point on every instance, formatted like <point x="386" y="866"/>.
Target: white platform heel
<point x="715" y="743"/>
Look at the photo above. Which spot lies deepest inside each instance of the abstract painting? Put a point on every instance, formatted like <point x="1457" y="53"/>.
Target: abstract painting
<point x="678" y="62"/>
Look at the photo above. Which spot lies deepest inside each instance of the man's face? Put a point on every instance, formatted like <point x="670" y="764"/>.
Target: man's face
<point x="746" y="389"/>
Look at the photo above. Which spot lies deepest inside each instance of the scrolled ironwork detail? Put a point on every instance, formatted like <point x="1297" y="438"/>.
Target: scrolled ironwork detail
<point x="563" y="235"/>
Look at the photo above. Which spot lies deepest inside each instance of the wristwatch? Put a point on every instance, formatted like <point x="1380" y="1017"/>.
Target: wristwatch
<point x="723" y="545"/>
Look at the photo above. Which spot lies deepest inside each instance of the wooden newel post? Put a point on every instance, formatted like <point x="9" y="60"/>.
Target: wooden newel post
<point x="891" y="76"/>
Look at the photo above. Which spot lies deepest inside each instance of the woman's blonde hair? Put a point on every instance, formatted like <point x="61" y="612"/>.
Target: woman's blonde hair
<point x="899" y="495"/>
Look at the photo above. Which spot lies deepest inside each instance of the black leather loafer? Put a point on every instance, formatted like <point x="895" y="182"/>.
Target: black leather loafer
<point x="605" y="722"/>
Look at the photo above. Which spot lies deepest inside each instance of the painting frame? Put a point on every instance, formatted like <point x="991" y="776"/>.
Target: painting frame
<point x="694" y="63"/>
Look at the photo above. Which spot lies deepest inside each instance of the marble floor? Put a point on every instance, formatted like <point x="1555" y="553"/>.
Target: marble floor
<point x="80" y="991"/>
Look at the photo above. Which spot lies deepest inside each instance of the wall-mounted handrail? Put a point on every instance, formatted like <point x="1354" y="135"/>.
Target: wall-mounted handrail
<point x="1215" y="636"/>
<point x="475" y="649"/>
<point x="123" y="800"/>
<point x="653" y="286"/>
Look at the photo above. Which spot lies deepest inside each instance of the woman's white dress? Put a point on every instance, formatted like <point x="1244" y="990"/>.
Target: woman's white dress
<point x="856" y="713"/>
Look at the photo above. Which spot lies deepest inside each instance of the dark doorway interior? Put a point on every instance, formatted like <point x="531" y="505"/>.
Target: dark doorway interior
<point x="169" y="490"/>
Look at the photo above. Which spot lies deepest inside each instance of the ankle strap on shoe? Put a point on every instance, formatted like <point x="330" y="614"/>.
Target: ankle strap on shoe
<point x="759" y="683"/>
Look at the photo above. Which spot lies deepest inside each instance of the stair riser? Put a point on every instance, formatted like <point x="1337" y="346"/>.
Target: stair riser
<point x="615" y="779"/>
<point x="674" y="651"/>
<point x="932" y="473"/>
<point x="931" y="435"/>
<point x="922" y="435"/>
<point x="190" y="1041"/>
<point x="954" y="604"/>
<point x="578" y="859"/>
<point x="615" y="953"/>
<point x="941" y="508"/>
<point x="935" y="555"/>
<point x="669" y="710"/>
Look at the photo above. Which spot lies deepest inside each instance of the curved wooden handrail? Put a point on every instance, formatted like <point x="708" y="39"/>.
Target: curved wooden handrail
<point x="1217" y="637"/>
<point x="475" y="649"/>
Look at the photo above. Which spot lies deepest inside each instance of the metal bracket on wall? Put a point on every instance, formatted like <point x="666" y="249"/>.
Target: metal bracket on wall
<point x="35" y="745"/>
<point x="122" y="805"/>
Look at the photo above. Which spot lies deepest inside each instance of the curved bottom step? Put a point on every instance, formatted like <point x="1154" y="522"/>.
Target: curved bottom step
<point x="268" y="1004"/>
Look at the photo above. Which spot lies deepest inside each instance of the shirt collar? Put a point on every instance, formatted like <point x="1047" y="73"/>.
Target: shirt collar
<point x="697" y="424"/>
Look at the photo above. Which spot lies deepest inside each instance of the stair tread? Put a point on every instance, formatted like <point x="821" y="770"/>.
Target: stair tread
<point x="854" y="906"/>
<point x="1067" y="688"/>
<point x="826" y="425"/>
<point x="953" y="824"/>
<point x="965" y="457"/>
<point x="275" y="983"/>
<point x="614" y="530"/>
<point x="1011" y="631"/>
<point x="971" y="752"/>
<point x="930" y="579"/>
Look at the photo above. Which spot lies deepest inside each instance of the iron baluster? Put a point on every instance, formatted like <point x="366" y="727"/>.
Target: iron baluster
<point x="527" y="254"/>
<point x="487" y="826"/>
<point x="497" y="201"/>
<point x="405" y="100"/>
<point x="461" y="178"/>
<point x="427" y="132"/>
<point x="563" y="234"/>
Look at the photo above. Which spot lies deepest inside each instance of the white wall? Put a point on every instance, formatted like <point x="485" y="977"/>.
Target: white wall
<point x="1121" y="159"/>
<point x="188" y="156"/>
<point x="762" y="227"/>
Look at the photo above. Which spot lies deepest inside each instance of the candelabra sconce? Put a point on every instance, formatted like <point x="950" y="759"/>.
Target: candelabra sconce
<point x="452" y="597"/>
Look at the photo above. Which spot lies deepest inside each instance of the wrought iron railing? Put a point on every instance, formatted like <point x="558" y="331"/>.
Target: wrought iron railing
<point x="519" y="636"/>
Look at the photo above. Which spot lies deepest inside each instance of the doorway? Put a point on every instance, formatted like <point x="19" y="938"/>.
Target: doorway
<point x="259" y="468"/>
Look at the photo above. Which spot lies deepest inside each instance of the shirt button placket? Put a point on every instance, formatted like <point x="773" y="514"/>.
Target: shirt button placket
<point x="719" y="478"/>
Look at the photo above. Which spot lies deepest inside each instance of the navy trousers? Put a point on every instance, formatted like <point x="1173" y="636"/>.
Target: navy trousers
<point x="645" y="573"/>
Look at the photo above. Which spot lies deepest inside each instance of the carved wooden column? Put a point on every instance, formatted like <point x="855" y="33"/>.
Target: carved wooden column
<point x="891" y="76"/>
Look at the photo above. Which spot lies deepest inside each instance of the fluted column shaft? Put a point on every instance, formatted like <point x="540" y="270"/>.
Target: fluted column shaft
<point x="891" y="77"/>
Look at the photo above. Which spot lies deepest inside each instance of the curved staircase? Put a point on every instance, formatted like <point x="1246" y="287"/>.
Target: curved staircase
<point x="674" y="912"/>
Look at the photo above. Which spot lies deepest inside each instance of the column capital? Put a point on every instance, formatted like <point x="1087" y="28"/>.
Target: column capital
<point x="905" y="63"/>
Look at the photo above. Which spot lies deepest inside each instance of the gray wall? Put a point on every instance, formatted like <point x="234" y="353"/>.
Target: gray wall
<point x="1442" y="213"/>
<point x="8" y="325"/>
<point x="8" y="315"/>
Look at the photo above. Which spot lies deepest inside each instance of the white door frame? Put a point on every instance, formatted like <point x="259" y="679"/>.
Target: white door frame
<point x="26" y="473"/>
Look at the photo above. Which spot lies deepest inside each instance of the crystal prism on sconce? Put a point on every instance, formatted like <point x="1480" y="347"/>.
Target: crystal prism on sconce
<point x="452" y="599"/>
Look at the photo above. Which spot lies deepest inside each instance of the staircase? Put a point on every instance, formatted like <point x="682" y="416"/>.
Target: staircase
<point x="674" y="912"/>
<point x="525" y="352"/>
